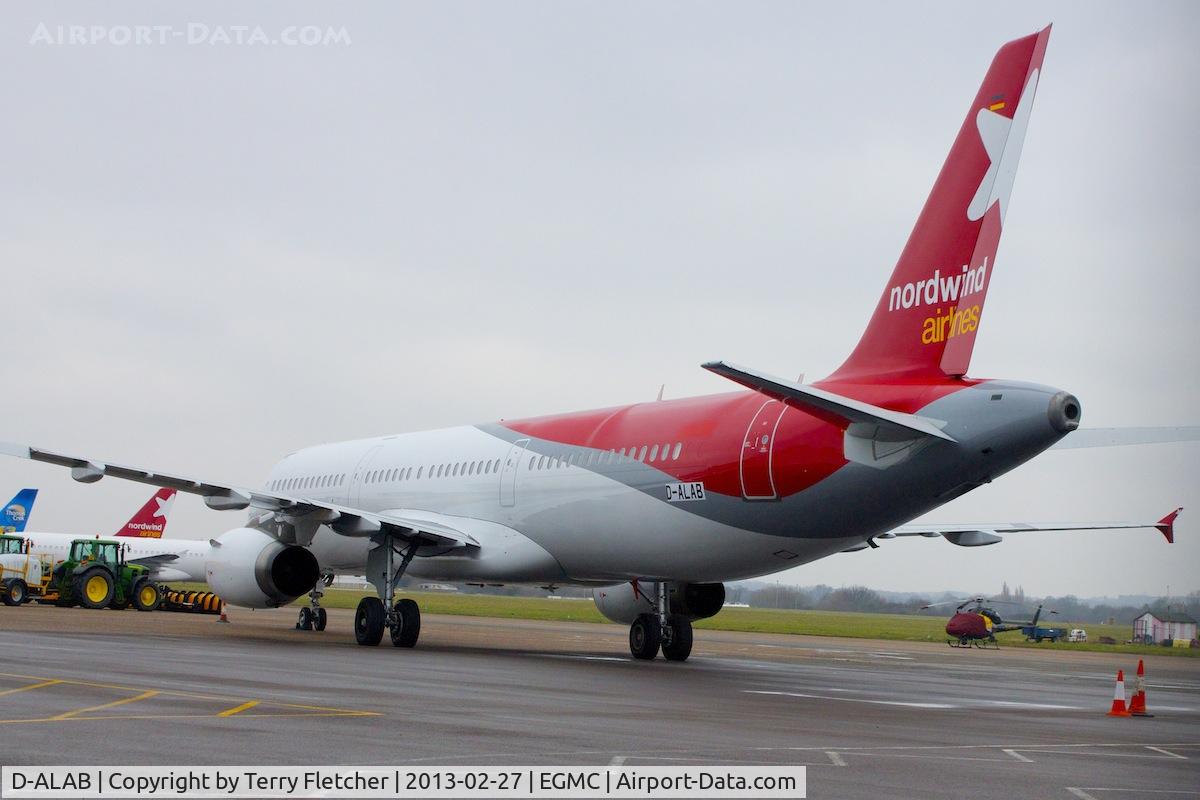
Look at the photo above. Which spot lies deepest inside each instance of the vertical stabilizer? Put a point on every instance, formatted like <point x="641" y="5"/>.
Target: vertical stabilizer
<point x="151" y="519"/>
<point x="15" y="513"/>
<point x="925" y="323"/>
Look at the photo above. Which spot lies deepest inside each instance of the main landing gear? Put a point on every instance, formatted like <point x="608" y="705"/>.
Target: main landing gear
<point x="663" y="630"/>
<point x="401" y="618"/>
<point x="312" y="616"/>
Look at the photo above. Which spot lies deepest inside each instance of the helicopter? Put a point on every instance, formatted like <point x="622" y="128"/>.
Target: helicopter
<point x="975" y="624"/>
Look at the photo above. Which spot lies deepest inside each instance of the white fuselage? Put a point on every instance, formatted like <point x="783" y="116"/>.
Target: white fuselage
<point x="537" y="519"/>
<point x="188" y="564"/>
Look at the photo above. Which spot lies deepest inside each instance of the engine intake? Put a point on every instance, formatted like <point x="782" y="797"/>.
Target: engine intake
<point x="623" y="602"/>
<point x="250" y="568"/>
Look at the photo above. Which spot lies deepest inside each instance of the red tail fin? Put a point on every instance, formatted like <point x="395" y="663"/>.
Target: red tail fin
<point x="151" y="519"/>
<point x="925" y="323"/>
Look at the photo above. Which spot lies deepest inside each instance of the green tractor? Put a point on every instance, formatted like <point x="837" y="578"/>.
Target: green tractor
<point x="96" y="575"/>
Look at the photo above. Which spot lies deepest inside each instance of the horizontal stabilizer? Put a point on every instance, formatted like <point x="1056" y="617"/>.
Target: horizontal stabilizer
<point x="1121" y="437"/>
<point x="976" y="534"/>
<point x="828" y="406"/>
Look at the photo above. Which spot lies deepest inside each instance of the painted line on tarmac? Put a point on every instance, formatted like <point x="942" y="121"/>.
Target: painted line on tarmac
<point x="903" y="703"/>
<point x="50" y="682"/>
<point x="229" y="712"/>
<point x="1020" y="704"/>
<point x="1017" y="755"/>
<point x="102" y="706"/>
<point x="1166" y="752"/>
<point x="835" y="759"/>
<point x="1082" y="793"/>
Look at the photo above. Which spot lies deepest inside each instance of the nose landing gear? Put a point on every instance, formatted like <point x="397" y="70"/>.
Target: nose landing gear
<point x="312" y="616"/>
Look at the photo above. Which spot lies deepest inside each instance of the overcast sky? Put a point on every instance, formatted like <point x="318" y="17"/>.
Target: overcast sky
<point x="218" y="253"/>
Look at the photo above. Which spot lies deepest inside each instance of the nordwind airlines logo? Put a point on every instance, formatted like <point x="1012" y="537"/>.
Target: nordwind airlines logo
<point x="154" y="526"/>
<point x="947" y="296"/>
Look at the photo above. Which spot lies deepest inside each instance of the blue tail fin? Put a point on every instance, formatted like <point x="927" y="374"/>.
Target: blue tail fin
<point x="16" y="511"/>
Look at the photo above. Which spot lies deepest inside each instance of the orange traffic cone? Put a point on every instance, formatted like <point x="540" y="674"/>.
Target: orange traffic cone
<point x="1137" y="705"/>
<point x="1118" y="706"/>
<point x="225" y="618"/>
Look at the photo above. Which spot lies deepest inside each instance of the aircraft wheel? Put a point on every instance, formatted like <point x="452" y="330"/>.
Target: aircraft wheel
<point x="368" y="621"/>
<point x="305" y="622"/>
<point x="94" y="588"/>
<point x="16" y="592"/>
<point x="680" y="646"/>
<point x="408" y="623"/>
<point x="147" y="595"/>
<point x="320" y="618"/>
<point x="644" y="637"/>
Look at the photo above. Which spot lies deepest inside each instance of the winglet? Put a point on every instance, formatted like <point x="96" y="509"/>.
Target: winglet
<point x="1166" y="525"/>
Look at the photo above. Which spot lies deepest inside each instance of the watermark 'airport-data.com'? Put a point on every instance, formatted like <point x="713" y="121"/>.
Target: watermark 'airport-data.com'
<point x="192" y="33"/>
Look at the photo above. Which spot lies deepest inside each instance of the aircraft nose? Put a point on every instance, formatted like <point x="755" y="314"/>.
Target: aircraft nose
<point x="1064" y="412"/>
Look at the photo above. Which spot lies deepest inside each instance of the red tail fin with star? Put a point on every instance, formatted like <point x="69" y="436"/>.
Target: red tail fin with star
<point x="925" y="323"/>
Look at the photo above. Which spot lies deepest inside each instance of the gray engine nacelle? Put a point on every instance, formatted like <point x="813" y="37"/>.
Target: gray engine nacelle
<point x="247" y="567"/>
<point x="623" y="602"/>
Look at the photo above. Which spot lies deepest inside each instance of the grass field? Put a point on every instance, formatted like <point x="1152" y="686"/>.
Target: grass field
<point x="756" y="620"/>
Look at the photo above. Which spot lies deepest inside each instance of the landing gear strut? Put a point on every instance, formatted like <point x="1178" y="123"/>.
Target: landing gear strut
<point x="312" y="616"/>
<point x="663" y="630"/>
<point x="401" y="618"/>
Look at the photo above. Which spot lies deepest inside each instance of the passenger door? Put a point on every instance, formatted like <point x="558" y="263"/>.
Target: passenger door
<point x="508" y="473"/>
<point x="757" y="481"/>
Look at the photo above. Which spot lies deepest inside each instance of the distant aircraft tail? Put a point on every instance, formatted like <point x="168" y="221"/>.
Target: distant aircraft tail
<point x="151" y="519"/>
<point x="16" y="511"/>
<point x="924" y="325"/>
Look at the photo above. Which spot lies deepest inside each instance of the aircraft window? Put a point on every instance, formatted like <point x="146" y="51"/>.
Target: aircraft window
<point x="642" y="454"/>
<point x="532" y="461"/>
<point x="653" y="453"/>
<point x="471" y="467"/>
<point x="419" y="471"/>
<point x="676" y="451"/>
<point x="621" y="454"/>
<point x="665" y="448"/>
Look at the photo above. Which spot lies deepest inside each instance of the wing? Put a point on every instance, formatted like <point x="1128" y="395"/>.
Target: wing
<point x="294" y="519"/>
<point x="1119" y="437"/>
<point x="976" y="535"/>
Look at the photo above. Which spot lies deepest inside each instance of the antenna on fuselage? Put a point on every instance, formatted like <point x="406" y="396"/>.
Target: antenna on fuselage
<point x="660" y="392"/>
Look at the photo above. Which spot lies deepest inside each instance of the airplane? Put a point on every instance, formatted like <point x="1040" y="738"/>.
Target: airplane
<point x="657" y="504"/>
<point x="167" y="559"/>
<point x="16" y="511"/>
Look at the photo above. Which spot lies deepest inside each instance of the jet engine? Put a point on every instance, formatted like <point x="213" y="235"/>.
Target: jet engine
<point x="623" y="602"/>
<point x="250" y="568"/>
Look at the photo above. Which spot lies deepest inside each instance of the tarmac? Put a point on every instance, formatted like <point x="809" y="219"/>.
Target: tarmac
<point x="869" y="718"/>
